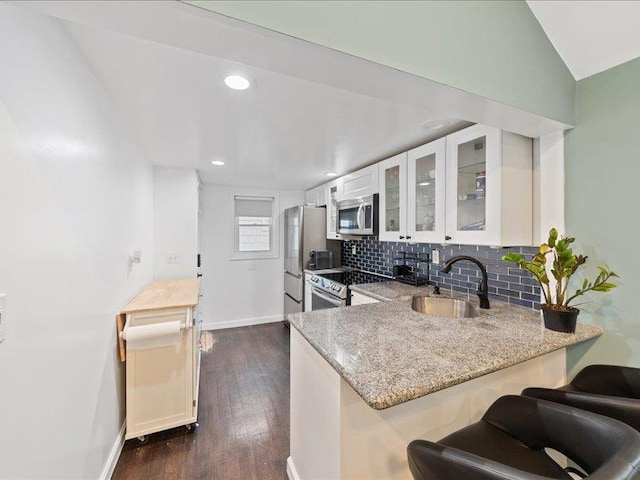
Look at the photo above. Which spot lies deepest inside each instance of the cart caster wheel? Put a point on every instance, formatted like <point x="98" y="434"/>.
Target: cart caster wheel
<point x="143" y="439"/>
<point x="191" y="427"/>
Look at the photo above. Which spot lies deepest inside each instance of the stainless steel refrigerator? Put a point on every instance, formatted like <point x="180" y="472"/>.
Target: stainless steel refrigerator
<point x="305" y="229"/>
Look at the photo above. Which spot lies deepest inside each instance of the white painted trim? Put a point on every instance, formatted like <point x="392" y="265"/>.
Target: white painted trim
<point x="552" y="200"/>
<point x="551" y="191"/>
<point x="112" y="461"/>
<point x="243" y="322"/>
<point x="292" y="473"/>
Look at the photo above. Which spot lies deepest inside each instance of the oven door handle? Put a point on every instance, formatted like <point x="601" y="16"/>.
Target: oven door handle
<point x="317" y="292"/>
<point x="360" y="214"/>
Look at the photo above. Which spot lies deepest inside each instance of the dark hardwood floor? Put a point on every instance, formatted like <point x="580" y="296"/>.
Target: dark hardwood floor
<point x="243" y="415"/>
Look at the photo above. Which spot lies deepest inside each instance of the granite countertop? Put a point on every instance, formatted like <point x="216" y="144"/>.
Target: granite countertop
<point x="390" y="354"/>
<point x="390" y="290"/>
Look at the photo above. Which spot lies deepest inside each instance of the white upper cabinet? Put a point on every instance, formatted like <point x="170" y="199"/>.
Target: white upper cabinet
<point x="472" y="187"/>
<point x="331" y="190"/>
<point x="426" y="173"/>
<point x="412" y="195"/>
<point x="362" y="183"/>
<point x="392" y="210"/>
<point x="316" y="196"/>
<point x="489" y="187"/>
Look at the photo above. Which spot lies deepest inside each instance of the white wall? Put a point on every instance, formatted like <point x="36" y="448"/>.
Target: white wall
<point x="175" y="221"/>
<point x="76" y="195"/>
<point x="238" y="292"/>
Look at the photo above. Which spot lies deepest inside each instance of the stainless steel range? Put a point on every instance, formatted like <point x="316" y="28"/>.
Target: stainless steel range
<point x="331" y="290"/>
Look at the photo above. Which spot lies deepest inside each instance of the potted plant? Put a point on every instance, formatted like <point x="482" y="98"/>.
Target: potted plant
<point x="557" y="313"/>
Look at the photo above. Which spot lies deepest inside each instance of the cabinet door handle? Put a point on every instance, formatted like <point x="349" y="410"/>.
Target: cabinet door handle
<point x="408" y="237"/>
<point x="447" y="237"/>
<point x="401" y="237"/>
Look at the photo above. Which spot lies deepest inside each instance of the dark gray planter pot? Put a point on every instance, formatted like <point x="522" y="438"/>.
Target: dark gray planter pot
<point x="560" y="320"/>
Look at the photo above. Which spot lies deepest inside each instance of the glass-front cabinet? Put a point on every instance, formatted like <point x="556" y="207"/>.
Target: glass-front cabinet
<point x="489" y="187"/>
<point x="412" y="195"/>
<point x="392" y="210"/>
<point x="332" y="210"/>
<point x="426" y="192"/>
<point x="474" y="186"/>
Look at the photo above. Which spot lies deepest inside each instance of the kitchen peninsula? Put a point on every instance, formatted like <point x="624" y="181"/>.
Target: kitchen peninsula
<point x="368" y="379"/>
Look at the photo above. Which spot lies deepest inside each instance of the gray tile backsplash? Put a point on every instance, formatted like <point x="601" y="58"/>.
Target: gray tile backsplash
<point x="507" y="282"/>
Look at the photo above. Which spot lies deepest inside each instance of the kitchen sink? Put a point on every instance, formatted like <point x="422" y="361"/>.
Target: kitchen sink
<point x="443" y="307"/>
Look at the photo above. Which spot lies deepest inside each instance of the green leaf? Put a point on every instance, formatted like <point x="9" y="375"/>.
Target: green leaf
<point x="600" y="288"/>
<point x="553" y="236"/>
<point x="564" y="264"/>
<point x="512" y="257"/>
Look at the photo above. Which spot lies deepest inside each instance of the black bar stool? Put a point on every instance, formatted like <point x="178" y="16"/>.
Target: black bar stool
<point x="509" y="442"/>
<point x="609" y="390"/>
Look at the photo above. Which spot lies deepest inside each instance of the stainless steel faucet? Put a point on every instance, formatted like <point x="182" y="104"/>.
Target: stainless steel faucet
<point x="483" y="287"/>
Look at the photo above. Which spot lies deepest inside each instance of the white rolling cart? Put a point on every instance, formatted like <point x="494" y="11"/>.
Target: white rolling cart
<point x="159" y="340"/>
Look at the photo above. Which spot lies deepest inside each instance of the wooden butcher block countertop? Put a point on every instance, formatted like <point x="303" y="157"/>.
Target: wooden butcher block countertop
<point x="165" y="294"/>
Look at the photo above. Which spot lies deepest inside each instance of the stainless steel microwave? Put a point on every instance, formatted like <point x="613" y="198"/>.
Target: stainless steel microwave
<point x="358" y="216"/>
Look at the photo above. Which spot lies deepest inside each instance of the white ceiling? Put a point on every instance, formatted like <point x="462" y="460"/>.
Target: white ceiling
<point x="591" y="36"/>
<point x="312" y="110"/>
<point x="284" y="131"/>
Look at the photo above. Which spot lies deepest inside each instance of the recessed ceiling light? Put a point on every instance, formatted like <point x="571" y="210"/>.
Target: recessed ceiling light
<point x="237" y="82"/>
<point x="217" y="163"/>
<point x="331" y="174"/>
<point x="434" y="124"/>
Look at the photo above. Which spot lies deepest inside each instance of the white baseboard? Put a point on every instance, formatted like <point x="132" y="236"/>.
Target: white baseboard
<point x="112" y="461"/>
<point x="242" y="322"/>
<point x="291" y="470"/>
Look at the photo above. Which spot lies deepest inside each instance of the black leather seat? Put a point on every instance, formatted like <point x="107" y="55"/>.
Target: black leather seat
<point x="609" y="390"/>
<point x="509" y="442"/>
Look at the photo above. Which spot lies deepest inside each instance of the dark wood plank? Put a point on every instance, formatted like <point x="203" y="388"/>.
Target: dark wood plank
<point x="243" y="415"/>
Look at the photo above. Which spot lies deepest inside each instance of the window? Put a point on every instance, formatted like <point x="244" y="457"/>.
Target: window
<point x="254" y="227"/>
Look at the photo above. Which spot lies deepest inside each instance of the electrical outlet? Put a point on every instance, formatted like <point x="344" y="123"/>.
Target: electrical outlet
<point x="251" y="265"/>
<point x="435" y="256"/>
<point x="3" y="316"/>
<point x="173" y="257"/>
<point x="353" y="249"/>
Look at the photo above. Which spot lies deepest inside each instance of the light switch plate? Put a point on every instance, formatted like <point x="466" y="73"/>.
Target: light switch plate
<point x="173" y="257"/>
<point x="435" y="257"/>
<point x="3" y="316"/>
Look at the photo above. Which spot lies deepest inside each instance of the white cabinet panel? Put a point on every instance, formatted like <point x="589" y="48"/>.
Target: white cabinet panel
<point x="412" y="195"/>
<point x="392" y="214"/>
<point x="489" y="187"/>
<point x="310" y="197"/>
<point x="332" y="210"/>
<point x="321" y="196"/>
<point x="161" y="384"/>
<point x="426" y="176"/>
<point x="316" y="196"/>
<point x="359" y="184"/>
